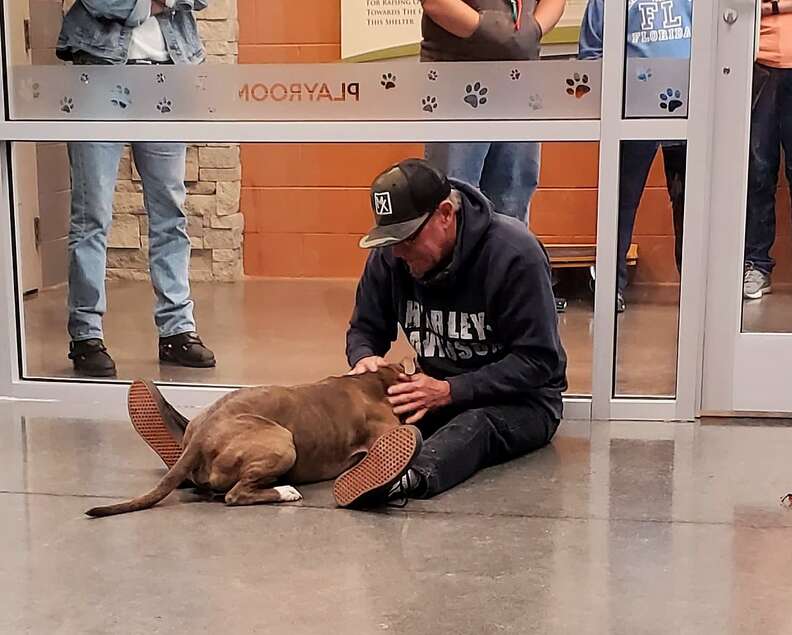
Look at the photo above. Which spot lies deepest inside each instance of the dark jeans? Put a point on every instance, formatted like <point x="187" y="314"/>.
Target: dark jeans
<point x="771" y="128"/>
<point x="458" y="443"/>
<point x="636" y="160"/>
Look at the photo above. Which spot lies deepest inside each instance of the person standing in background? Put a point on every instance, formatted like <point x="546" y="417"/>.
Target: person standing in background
<point x="771" y="128"/>
<point x="489" y="30"/>
<point x="655" y="29"/>
<point x="127" y="32"/>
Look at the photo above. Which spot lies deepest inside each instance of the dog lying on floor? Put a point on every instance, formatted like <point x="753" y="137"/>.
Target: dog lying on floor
<point x="253" y="438"/>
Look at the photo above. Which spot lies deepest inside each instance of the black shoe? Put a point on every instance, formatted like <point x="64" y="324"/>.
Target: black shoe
<point x="621" y="305"/>
<point x="185" y="349"/>
<point x="90" y="358"/>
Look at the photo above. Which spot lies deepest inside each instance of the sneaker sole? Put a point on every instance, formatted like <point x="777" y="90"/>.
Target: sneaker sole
<point x="384" y="463"/>
<point x="149" y="424"/>
<point x="758" y="294"/>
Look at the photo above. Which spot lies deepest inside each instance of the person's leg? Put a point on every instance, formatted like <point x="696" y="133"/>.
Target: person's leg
<point x="475" y="439"/>
<point x="161" y="167"/>
<point x="510" y="177"/>
<point x="674" y="161"/>
<point x="785" y="117"/>
<point x="94" y="169"/>
<point x="635" y="162"/>
<point x="763" y="164"/>
<point x="461" y="161"/>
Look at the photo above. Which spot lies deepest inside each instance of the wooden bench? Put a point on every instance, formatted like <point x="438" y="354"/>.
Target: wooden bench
<point x="578" y="256"/>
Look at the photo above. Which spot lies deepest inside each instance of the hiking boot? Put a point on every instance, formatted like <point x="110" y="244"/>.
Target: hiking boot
<point x="371" y="482"/>
<point x="755" y="282"/>
<point x="185" y="349"/>
<point x="90" y="358"/>
<point x="156" y="421"/>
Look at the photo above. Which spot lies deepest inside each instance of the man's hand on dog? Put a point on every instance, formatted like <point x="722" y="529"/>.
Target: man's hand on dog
<point x="418" y="394"/>
<point x="368" y="365"/>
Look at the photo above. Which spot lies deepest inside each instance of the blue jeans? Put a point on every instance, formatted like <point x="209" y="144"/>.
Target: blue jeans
<point x="94" y="169"/>
<point x="635" y="162"/>
<point x="771" y="128"/>
<point x="507" y="173"/>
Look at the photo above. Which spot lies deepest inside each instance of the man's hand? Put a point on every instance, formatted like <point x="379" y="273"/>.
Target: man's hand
<point x="369" y="364"/>
<point x="418" y="394"/>
<point x="157" y="7"/>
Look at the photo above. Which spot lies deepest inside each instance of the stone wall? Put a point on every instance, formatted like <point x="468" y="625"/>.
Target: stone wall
<point x="213" y="178"/>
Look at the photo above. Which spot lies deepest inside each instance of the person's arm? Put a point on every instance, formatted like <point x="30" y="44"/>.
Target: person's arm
<point x="130" y="12"/>
<point x="524" y="316"/>
<point x="548" y="13"/>
<point x="455" y="16"/>
<point x="374" y="323"/>
<point x="590" y="43"/>
<point x="784" y="6"/>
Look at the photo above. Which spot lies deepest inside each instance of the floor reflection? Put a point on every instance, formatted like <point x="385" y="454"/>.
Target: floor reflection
<point x="292" y="331"/>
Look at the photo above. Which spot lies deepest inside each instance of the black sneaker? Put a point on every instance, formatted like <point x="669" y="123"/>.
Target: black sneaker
<point x="90" y="358"/>
<point x="621" y="305"/>
<point x="185" y="349"/>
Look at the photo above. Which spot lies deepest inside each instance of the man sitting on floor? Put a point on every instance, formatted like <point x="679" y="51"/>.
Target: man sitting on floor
<point x="471" y="290"/>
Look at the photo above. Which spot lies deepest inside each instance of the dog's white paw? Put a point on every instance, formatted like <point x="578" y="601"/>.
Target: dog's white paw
<point x="288" y="494"/>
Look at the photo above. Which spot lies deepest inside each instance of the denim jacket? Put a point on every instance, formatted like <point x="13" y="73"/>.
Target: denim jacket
<point x="103" y="28"/>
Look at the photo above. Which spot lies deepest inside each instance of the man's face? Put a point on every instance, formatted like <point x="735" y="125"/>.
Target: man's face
<point x="432" y="244"/>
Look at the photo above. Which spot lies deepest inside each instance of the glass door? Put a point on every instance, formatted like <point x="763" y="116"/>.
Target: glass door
<point x="749" y="302"/>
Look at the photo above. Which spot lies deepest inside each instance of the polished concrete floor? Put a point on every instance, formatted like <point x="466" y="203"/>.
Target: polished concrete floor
<point x="292" y="331"/>
<point x="616" y="528"/>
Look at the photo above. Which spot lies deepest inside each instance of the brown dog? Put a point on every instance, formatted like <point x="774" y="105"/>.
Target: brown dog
<point x="254" y="437"/>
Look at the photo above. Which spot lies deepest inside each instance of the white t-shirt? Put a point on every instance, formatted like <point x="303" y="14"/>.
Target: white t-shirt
<point x="147" y="42"/>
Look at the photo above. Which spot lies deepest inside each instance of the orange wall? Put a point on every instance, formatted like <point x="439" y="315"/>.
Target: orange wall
<point x="306" y="205"/>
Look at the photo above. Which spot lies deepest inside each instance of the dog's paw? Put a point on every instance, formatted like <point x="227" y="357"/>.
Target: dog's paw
<point x="288" y="494"/>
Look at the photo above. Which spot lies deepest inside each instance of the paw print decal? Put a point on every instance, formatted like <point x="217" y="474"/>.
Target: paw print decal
<point x="671" y="99"/>
<point x="535" y="102"/>
<point x="578" y="86"/>
<point x="121" y="97"/>
<point x="67" y="104"/>
<point x="160" y="78"/>
<point x="515" y="74"/>
<point x="644" y="74"/>
<point x="85" y="79"/>
<point x="475" y="95"/>
<point x="432" y="75"/>
<point x="388" y="81"/>
<point x="165" y="106"/>
<point x="429" y="104"/>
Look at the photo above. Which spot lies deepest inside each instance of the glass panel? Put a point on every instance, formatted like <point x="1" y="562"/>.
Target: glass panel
<point x="274" y="231"/>
<point x="768" y="257"/>
<point x="657" y="53"/>
<point x="651" y="212"/>
<point x="263" y="64"/>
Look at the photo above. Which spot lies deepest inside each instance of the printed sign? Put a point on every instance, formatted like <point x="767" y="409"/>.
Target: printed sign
<point x="379" y="29"/>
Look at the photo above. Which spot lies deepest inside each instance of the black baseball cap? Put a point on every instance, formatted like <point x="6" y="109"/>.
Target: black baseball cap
<point x="402" y="199"/>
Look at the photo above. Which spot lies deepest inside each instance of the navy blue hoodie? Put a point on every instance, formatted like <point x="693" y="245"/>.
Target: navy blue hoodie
<point x="486" y="322"/>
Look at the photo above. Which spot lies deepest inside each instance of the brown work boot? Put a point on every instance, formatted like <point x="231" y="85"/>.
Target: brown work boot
<point x="156" y="421"/>
<point x="370" y="482"/>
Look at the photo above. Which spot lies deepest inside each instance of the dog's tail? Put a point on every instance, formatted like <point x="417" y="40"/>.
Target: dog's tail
<point x="175" y="476"/>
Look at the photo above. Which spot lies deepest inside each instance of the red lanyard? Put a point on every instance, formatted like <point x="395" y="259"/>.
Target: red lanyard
<point x="517" y="7"/>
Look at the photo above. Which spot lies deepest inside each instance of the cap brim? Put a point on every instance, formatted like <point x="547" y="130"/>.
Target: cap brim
<point x="386" y="235"/>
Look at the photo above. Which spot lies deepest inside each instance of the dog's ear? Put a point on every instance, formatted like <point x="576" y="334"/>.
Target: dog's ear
<point x="409" y="365"/>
